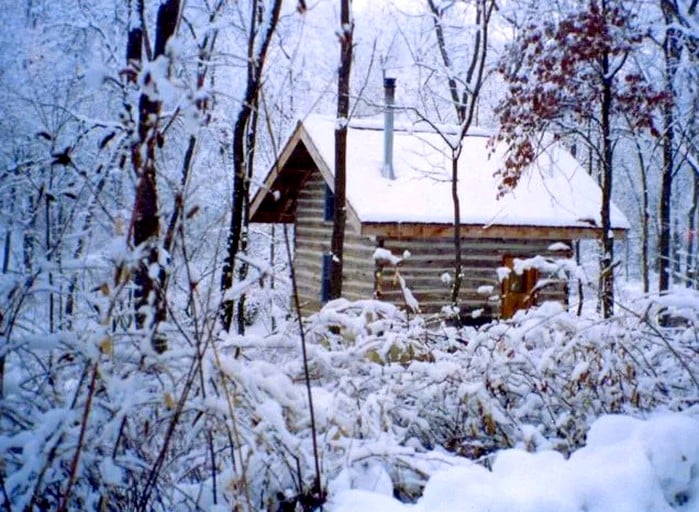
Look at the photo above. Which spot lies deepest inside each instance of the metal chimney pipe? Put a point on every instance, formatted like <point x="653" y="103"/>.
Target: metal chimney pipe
<point x="389" y="87"/>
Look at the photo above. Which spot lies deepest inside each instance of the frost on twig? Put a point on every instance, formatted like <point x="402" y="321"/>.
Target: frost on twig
<point x="383" y="257"/>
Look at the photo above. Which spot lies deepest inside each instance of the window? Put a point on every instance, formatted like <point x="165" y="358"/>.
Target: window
<point x="325" y="283"/>
<point x="329" y="212"/>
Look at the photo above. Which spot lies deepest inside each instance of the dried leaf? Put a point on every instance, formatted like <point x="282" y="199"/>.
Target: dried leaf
<point x="106" y="346"/>
<point x="489" y="423"/>
<point x="374" y="357"/>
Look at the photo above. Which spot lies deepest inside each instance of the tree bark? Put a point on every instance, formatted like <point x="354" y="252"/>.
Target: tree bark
<point x="145" y="217"/>
<point x="670" y="52"/>
<point x="465" y="107"/>
<point x="664" y="212"/>
<point x="645" y="220"/>
<point x="691" y="259"/>
<point x="257" y="53"/>
<point x="234" y="234"/>
<point x="343" y="90"/>
<point x="245" y="232"/>
<point x="606" y="279"/>
<point x="458" y="277"/>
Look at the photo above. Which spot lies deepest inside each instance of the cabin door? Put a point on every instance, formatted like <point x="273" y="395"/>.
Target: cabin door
<point x="517" y="289"/>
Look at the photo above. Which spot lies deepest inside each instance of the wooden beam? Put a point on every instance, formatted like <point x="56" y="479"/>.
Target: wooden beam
<point x="417" y="230"/>
<point x="324" y="169"/>
<point x="282" y="166"/>
<point x="268" y="184"/>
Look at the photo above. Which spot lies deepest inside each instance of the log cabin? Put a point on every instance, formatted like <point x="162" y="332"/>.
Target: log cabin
<point x="399" y="233"/>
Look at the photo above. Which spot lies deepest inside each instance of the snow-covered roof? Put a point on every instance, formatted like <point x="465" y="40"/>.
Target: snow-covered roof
<point x="554" y="191"/>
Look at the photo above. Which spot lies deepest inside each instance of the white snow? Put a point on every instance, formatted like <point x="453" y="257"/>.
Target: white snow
<point x="95" y="75"/>
<point x="628" y="465"/>
<point x="559" y="246"/>
<point x="554" y="191"/>
<point x="369" y="476"/>
<point x="503" y="273"/>
<point x="485" y="289"/>
<point x="383" y="256"/>
<point x="408" y="296"/>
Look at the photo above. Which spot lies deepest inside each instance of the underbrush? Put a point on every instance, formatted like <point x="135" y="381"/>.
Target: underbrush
<point x="99" y="420"/>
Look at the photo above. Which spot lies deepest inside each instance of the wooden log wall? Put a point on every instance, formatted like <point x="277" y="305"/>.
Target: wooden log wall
<point x="429" y="260"/>
<point x="312" y="240"/>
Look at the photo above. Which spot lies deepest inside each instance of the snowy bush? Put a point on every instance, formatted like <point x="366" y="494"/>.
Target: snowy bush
<point x="537" y="382"/>
<point x="539" y="379"/>
<point x="99" y="419"/>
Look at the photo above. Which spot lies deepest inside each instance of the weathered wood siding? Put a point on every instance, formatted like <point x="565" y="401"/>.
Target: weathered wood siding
<point x="431" y="258"/>
<point x="312" y="240"/>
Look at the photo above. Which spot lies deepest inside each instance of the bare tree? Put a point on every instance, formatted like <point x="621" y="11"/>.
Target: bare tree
<point x="464" y="92"/>
<point x="671" y="54"/>
<point x="345" y="36"/>
<point x="263" y="22"/>
<point x="680" y="47"/>
<point x="644" y="214"/>
<point x="145" y="220"/>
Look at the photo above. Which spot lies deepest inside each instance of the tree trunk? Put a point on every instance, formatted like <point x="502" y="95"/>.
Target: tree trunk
<point x="150" y="303"/>
<point x="465" y="108"/>
<point x="257" y="52"/>
<point x="606" y="279"/>
<point x="676" y="250"/>
<point x="48" y="198"/>
<point x="245" y="235"/>
<point x="671" y="54"/>
<point x="664" y="241"/>
<point x="343" y="90"/>
<point x="457" y="231"/>
<point x="234" y="233"/>
<point x="691" y="259"/>
<point x="645" y="221"/>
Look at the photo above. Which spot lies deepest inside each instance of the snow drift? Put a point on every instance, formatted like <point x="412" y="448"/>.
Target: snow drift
<point x="628" y="465"/>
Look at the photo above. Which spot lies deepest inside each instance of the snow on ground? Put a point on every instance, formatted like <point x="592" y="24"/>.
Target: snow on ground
<point x="628" y="465"/>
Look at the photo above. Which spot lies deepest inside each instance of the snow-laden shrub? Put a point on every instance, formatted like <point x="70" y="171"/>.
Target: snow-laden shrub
<point x="537" y="381"/>
<point x="226" y="421"/>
